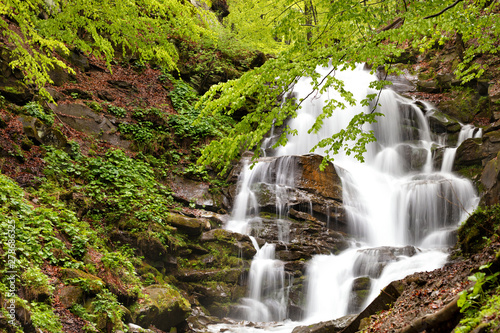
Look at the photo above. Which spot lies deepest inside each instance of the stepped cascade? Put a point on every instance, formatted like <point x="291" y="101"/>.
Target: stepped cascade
<point x="401" y="208"/>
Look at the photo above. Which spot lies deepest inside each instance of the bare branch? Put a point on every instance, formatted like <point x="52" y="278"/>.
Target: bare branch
<point x="445" y="9"/>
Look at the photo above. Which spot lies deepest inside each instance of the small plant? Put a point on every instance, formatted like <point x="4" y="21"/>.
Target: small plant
<point x="35" y="282"/>
<point x="44" y="318"/>
<point x="117" y="111"/>
<point x="36" y="110"/>
<point x="74" y="95"/>
<point x="94" y="106"/>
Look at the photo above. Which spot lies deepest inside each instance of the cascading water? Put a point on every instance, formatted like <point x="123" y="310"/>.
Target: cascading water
<point x="401" y="211"/>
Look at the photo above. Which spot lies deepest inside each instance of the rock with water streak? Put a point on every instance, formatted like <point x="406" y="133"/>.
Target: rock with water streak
<point x="360" y="291"/>
<point x="372" y="261"/>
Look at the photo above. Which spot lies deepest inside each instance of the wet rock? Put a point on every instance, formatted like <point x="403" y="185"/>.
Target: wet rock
<point x="383" y="301"/>
<point x="440" y="122"/>
<point x="372" y="261"/>
<point x="331" y="326"/>
<point x="228" y="275"/>
<point x="359" y="293"/>
<point x="164" y="309"/>
<point x="470" y="152"/>
<point x="132" y="328"/>
<point x="414" y="158"/>
<point x="490" y="145"/>
<point x="307" y="189"/>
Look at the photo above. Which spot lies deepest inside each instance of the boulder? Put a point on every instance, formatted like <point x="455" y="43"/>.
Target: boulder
<point x="187" y="225"/>
<point x="490" y="179"/>
<point x="490" y="145"/>
<point x="440" y="122"/>
<point x="165" y="308"/>
<point x="70" y="295"/>
<point x="93" y="284"/>
<point x="43" y="134"/>
<point x="83" y="119"/>
<point x="360" y="291"/>
<point x="470" y="152"/>
<point x="198" y="193"/>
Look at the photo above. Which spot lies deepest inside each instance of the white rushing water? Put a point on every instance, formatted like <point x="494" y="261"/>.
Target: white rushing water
<point x="402" y="210"/>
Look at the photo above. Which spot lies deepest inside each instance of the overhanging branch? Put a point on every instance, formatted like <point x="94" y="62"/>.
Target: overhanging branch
<point x="445" y="9"/>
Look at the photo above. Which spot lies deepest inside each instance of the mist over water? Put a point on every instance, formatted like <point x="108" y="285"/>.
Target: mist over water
<point x="402" y="209"/>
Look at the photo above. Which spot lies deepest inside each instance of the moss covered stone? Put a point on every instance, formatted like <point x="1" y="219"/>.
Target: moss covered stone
<point x="476" y="231"/>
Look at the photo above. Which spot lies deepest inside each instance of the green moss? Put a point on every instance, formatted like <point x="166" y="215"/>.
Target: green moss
<point x="478" y="229"/>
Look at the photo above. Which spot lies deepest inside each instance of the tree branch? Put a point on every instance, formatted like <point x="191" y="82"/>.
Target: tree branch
<point x="445" y="9"/>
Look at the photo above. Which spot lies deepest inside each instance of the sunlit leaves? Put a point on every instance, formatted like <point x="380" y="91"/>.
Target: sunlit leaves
<point x="305" y="34"/>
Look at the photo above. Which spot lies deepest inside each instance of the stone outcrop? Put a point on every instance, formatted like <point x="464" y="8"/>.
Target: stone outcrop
<point x="165" y="308"/>
<point x="307" y="189"/>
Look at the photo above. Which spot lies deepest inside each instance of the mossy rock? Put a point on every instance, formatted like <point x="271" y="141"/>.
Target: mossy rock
<point x="440" y="122"/>
<point x="70" y="295"/>
<point x="190" y="226"/>
<point x="16" y="92"/>
<point x="165" y="308"/>
<point x="463" y="106"/>
<point x="93" y="283"/>
<point x="475" y="232"/>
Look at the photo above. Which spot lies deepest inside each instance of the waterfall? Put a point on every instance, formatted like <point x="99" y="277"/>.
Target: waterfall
<point x="400" y="210"/>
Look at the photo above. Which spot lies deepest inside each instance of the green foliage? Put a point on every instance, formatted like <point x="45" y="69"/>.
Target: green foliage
<point x="123" y="187"/>
<point x="142" y="27"/>
<point x="107" y="305"/>
<point x="117" y="111"/>
<point x="34" y="280"/>
<point x="44" y="318"/>
<point x="36" y="110"/>
<point x="141" y="132"/>
<point x="188" y="123"/>
<point x="478" y="229"/>
<point x="477" y="304"/>
<point x="306" y="34"/>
